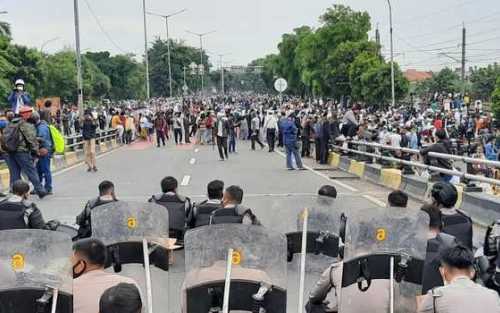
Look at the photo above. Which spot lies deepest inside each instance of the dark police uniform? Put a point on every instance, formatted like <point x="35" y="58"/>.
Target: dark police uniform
<point x="234" y="214"/>
<point x="17" y="213"/>
<point x="83" y="219"/>
<point x="431" y="277"/>
<point x="178" y="207"/>
<point x="458" y="224"/>
<point x="201" y="212"/>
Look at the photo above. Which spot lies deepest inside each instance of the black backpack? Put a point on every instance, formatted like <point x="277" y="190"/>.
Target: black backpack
<point x="11" y="137"/>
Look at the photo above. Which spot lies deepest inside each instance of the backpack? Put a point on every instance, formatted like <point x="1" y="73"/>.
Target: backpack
<point x="57" y="140"/>
<point x="10" y="138"/>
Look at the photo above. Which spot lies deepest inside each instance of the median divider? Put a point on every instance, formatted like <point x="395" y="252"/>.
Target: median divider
<point x="334" y="159"/>
<point x="345" y="163"/>
<point x="391" y="178"/>
<point x="357" y="168"/>
<point x="415" y="186"/>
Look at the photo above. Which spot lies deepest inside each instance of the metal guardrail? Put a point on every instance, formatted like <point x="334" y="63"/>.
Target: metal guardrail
<point x="419" y="165"/>
<point x="76" y="142"/>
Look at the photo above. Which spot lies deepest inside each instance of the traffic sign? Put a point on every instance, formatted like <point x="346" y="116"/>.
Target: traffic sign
<point x="280" y="85"/>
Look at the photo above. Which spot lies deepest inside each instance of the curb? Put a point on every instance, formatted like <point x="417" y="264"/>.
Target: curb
<point x="60" y="162"/>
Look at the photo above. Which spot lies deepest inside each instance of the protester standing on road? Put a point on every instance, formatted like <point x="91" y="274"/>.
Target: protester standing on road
<point x="20" y="143"/>
<point x="160" y="125"/>
<point x="222" y="129"/>
<point x="289" y="131"/>
<point x="271" y="127"/>
<point x="233" y="133"/>
<point x="89" y="128"/>
<point x="178" y="128"/>
<point x="18" y="97"/>
<point x="255" y="131"/>
<point x="45" y="151"/>
<point x="186" y="121"/>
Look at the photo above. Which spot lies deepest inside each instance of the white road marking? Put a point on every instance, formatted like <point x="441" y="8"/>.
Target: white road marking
<point x="192" y="161"/>
<point x="185" y="180"/>
<point x="350" y="188"/>
<point x="375" y="200"/>
<point x="196" y="150"/>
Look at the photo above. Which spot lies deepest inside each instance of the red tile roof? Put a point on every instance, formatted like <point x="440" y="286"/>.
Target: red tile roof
<point x="415" y="76"/>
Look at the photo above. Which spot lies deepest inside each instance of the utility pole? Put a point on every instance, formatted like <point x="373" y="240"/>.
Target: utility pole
<point x="463" y="60"/>
<point x="392" y="56"/>
<point x="377" y="38"/>
<point x="146" y="59"/>
<point x="166" y="17"/>
<point x="79" y="79"/>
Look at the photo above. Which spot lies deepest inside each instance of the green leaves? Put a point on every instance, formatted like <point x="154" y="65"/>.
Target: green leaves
<point x="495" y="107"/>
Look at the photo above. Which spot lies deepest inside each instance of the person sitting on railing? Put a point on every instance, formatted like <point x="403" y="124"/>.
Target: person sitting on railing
<point x="441" y="146"/>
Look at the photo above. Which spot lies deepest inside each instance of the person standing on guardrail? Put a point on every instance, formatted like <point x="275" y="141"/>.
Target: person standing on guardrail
<point x="89" y="128"/>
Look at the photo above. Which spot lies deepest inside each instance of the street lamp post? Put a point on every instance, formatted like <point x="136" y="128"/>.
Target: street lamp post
<point x="393" y="92"/>
<point x="166" y="17"/>
<point x="146" y="59"/>
<point x="79" y="79"/>
<point x="201" y="35"/>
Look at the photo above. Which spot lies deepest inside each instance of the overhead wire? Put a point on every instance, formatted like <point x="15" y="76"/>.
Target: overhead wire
<point x="101" y="27"/>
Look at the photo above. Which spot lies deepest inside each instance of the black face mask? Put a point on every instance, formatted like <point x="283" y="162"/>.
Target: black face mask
<point x="75" y="274"/>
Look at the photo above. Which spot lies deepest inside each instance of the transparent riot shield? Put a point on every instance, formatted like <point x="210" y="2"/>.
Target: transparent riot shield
<point x="258" y="276"/>
<point x="384" y="255"/>
<point x="35" y="271"/>
<point x="135" y="233"/>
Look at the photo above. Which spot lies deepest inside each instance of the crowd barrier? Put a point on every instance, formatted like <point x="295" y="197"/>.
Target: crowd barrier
<point x="106" y="140"/>
<point x="482" y="207"/>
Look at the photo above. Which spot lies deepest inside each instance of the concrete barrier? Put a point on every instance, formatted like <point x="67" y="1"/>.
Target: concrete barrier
<point x="483" y="208"/>
<point x="334" y="159"/>
<point x="357" y="168"/>
<point x="415" y="186"/>
<point x="391" y="178"/>
<point x="60" y="162"/>
<point x="345" y="163"/>
<point x="372" y="173"/>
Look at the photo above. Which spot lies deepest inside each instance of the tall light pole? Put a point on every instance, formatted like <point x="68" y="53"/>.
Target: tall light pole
<point x="222" y="86"/>
<point x="201" y="35"/>
<point x="393" y="92"/>
<point x="79" y="79"/>
<point x="146" y="59"/>
<point x="166" y="17"/>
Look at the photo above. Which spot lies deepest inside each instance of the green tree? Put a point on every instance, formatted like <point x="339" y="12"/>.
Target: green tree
<point x="495" y="97"/>
<point x="181" y="56"/>
<point x="483" y="81"/>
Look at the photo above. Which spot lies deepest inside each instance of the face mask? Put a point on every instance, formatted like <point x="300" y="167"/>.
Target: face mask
<point x="20" y="88"/>
<point x="75" y="274"/>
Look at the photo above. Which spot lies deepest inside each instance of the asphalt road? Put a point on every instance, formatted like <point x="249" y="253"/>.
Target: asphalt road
<point x="275" y="194"/>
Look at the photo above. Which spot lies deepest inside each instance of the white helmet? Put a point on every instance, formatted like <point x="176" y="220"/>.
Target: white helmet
<point x="19" y="82"/>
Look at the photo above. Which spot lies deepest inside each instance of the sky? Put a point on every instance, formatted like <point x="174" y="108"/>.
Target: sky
<point x="427" y="33"/>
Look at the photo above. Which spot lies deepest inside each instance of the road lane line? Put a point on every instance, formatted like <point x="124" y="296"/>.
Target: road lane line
<point x="196" y="150"/>
<point x="192" y="161"/>
<point x="375" y="200"/>
<point x="185" y="180"/>
<point x="350" y="188"/>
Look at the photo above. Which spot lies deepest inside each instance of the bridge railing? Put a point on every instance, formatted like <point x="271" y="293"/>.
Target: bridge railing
<point x="462" y="174"/>
<point x="75" y="142"/>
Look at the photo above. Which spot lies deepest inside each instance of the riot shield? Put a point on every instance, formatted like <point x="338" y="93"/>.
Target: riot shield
<point x="122" y="226"/>
<point x="135" y="233"/>
<point x="35" y="271"/>
<point x="384" y="255"/>
<point x="258" y="277"/>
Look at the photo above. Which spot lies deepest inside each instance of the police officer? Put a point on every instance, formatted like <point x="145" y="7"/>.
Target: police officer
<point x="106" y="195"/>
<point x="438" y="242"/>
<point x="233" y="211"/>
<point x="455" y="222"/>
<point x="178" y="206"/>
<point x="17" y="212"/>
<point x="201" y="212"/>
<point x="461" y="294"/>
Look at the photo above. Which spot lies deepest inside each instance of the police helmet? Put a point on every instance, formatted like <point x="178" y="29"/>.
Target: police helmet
<point x="445" y="194"/>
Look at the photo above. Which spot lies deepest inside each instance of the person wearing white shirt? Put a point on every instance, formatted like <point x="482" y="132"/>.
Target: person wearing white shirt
<point x="271" y="127"/>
